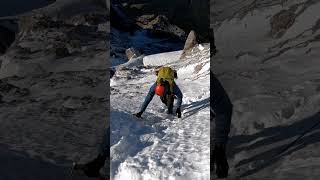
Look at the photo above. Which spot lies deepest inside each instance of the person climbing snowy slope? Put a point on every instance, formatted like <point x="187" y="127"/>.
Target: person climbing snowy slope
<point x="222" y="113"/>
<point x="167" y="89"/>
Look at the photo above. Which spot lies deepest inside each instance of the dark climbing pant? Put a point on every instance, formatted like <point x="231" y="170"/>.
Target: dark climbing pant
<point x="105" y="145"/>
<point x="222" y="107"/>
<point x="176" y="91"/>
<point x="167" y="97"/>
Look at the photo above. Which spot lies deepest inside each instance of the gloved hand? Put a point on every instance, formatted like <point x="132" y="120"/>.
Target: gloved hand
<point x="220" y="160"/>
<point x="138" y="115"/>
<point x="214" y="51"/>
<point x="178" y="112"/>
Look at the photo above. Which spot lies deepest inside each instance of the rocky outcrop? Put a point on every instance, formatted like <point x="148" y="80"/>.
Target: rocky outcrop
<point x="144" y="20"/>
<point x="187" y="15"/>
<point x="190" y="43"/>
<point x="160" y="25"/>
<point x="282" y="21"/>
<point x="53" y="85"/>
<point x="132" y="53"/>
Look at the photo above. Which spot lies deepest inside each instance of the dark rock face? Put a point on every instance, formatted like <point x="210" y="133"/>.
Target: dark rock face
<point x="41" y="95"/>
<point x="6" y="38"/>
<point x="187" y="15"/>
<point x="161" y="25"/>
<point x="281" y="22"/>
<point x="119" y="18"/>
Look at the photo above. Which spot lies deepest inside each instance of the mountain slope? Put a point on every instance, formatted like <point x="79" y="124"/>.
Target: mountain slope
<point x="268" y="61"/>
<point x="53" y="92"/>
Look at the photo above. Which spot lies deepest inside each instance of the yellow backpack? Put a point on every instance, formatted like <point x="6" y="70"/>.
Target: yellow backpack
<point x="166" y="74"/>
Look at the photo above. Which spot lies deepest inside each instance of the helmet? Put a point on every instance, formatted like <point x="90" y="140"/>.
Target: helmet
<point x="159" y="90"/>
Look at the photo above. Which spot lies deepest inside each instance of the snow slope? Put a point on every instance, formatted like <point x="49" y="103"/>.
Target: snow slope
<point x="270" y="68"/>
<point x="161" y="146"/>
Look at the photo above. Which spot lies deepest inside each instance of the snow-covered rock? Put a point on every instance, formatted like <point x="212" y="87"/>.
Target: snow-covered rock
<point x="132" y="63"/>
<point x="162" y="58"/>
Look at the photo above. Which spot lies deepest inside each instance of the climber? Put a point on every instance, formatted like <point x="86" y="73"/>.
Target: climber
<point x="222" y="113"/>
<point x="167" y="89"/>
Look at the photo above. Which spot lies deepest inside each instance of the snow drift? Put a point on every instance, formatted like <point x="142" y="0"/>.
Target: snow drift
<point x="161" y="59"/>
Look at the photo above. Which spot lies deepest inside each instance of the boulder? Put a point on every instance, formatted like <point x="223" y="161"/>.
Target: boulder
<point x="132" y="53"/>
<point x="190" y="43"/>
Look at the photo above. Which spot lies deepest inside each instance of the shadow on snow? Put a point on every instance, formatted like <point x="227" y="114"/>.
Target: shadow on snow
<point x="275" y="135"/>
<point x="16" y="165"/>
<point x="194" y="107"/>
